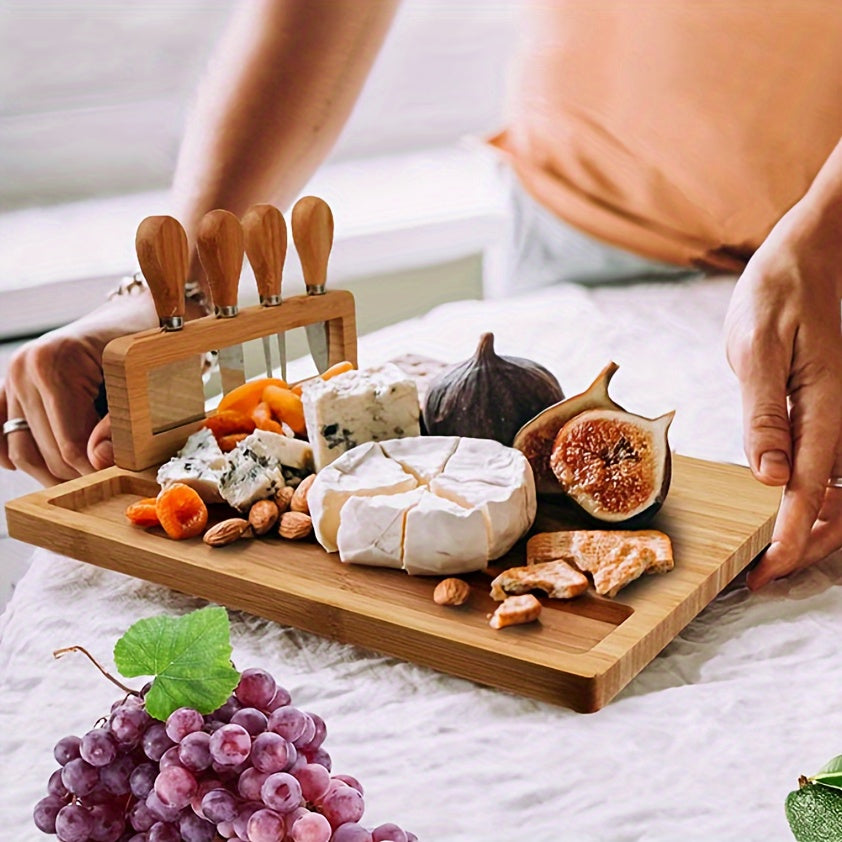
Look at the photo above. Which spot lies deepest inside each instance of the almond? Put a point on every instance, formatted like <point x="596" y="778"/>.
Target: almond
<point x="226" y="532"/>
<point x="295" y="525"/>
<point x="299" y="498"/>
<point x="283" y="498"/>
<point x="451" y="592"/>
<point x="263" y="515"/>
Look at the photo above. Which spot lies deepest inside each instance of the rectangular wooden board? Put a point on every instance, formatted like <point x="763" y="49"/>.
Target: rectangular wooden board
<point x="580" y="653"/>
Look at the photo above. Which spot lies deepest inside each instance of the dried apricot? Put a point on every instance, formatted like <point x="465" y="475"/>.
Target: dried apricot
<point x="336" y="368"/>
<point x="229" y="421"/>
<point x="263" y="419"/>
<point x="286" y="406"/>
<point x="143" y="512"/>
<point x="181" y="511"/>
<point x="246" y="397"/>
<point x="229" y="442"/>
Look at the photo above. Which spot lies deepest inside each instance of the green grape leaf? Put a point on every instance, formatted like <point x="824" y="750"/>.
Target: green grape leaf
<point x="834" y="765"/>
<point x="189" y="658"/>
<point x="830" y="774"/>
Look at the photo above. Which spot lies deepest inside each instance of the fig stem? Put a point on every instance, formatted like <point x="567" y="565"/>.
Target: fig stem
<point x="59" y="652"/>
<point x="486" y="345"/>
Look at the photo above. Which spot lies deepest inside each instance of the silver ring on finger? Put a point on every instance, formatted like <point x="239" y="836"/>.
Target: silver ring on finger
<point x="834" y="482"/>
<point x="14" y="425"/>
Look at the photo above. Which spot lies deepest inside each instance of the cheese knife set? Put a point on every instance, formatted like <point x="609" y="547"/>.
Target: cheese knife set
<point x="580" y="653"/>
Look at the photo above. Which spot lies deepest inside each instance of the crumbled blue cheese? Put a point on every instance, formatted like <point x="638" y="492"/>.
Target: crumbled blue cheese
<point x="359" y="406"/>
<point x="199" y="464"/>
<point x="254" y="470"/>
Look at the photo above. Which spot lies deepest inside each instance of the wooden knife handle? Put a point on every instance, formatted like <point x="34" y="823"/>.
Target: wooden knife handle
<point x="312" y="232"/>
<point x="220" y="244"/>
<point x="265" y="235"/>
<point x="161" y="246"/>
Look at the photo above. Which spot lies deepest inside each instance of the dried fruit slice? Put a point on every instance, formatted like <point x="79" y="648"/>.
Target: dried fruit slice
<point x="614" y="464"/>
<point x="143" y="512"/>
<point x="228" y="421"/>
<point x="181" y="511"/>
<point x="286" y="406"/>
<point x="246" y="397"/>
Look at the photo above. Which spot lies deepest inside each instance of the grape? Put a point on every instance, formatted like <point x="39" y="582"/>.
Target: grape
<point x="270" y="752"/>
<point x="170" y="758"/>
<point x="226" y="711"/>
<point x="194" y="751"/>
<point x="226" y="830"/>
<point x="308" y="733"/>
<point x="351" y="781"/>
<point x="45" y="813"/>
<point x="289" y="722"/>
<point x="195" y="829"/>
<point x="161" y="811"/>
<point x="55" y="785"/>
<point x="321" y="757"/>
<point x="107" y="822"/>
<point x="115" y="776"/>
<point x="142" y="779"/>
<point x="281" y="791"/>
<point x="73" y="824"/>
<point x="280" y="699"/>
<point x="141" y="818"/>
<point x="128" y="723"/>
<point x="98" y="747"/>
<point x="205" y="785"/>
<point x="219" y="805"/>
<point x="256" y="688"/>
<point x="319" y="734"/>
<point x="230" y="745"/>
<point x="388" y="832"/>
<point x="411" y="837"/>
<point x="252" y="719"/>
<point x="156" y="741"/>
<point x="175" y="786"/>
<point x="350" y="832"/>
<point x="183" y="721"/>
<point x="314" y="780"/>
<point x="311" y="828"/>
<point x="342" y="804"/>
<point x="67" y="748"/>
<point x="79" y="777"/>
<point x="295" y="814"/>
<point x="250" y="784"/>
<point x="241" y="820"/>
<point x="163" y="832"/>
<point x="265" y="826"/>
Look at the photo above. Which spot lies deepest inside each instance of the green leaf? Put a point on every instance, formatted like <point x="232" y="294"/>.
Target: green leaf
<point x="834" y="765"/>
<point x="830" y="774"/>
<point x="189" y="657"/>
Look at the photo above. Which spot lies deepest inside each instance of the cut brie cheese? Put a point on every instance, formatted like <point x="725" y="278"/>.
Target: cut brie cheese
<point x="199" y="464"/>
<point x="359" y="406"/>
<point x="429" y="504"/>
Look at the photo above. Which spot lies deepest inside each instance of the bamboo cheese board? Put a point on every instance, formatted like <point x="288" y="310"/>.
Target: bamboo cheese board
<point x="579" y="654"/>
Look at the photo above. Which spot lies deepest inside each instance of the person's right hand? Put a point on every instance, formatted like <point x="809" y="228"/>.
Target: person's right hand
<point x="52" y="382"/>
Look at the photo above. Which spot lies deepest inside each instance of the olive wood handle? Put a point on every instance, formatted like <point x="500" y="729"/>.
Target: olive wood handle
<point x="220" y="244"/>
<point x="161" y="246"/>
<point x="312" y="232"/>
<point x="265" y="235"/>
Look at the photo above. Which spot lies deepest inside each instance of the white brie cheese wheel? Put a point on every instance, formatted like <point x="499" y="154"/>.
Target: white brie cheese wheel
<point x="429" y="504"/>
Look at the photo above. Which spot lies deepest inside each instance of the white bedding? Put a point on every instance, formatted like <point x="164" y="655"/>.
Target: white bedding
<point x="703" y="745"/>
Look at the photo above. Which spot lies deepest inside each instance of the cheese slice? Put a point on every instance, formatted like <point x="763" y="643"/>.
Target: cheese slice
<point x="364" y="471"/>
<point x="470" y="500"/>
<point x="199" y="464"/>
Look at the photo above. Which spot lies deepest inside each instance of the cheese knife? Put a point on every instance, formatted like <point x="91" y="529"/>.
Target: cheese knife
<point x="161" y="246"/>
<point x="265" y="235"/>
<point x="312" y="232"/>
<point x="220" y="244"/>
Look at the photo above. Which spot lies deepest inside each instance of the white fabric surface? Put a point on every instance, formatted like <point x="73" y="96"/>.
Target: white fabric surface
<point x="703" y="745"/>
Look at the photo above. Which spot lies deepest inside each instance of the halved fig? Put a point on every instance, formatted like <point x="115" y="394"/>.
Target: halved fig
<point x="536" y="437"/>
<point x="615" y="465"/>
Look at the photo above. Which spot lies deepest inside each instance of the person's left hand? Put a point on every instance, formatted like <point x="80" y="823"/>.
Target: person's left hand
<point x="783" y="342"/>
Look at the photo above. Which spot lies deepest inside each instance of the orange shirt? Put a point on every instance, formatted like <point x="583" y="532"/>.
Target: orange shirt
<point x="677" y="129"/>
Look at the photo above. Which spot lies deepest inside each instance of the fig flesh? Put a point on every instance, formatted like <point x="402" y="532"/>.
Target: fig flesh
<point x="536" y="437"/>
<point x="615" y="465"/>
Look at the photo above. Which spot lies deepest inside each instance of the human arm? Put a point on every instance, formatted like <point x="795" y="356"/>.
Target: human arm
<point x="276" y="95"/>
<point x="783" y="342"/>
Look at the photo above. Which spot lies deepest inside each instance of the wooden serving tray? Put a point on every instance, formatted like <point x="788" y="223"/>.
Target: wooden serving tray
<point x="580" y="653"/>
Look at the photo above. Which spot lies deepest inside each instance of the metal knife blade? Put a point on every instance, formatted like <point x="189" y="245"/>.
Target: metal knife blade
<point x="265" y="235"/>
<point x="220" y="244"/>
<point x="312" y="232"/>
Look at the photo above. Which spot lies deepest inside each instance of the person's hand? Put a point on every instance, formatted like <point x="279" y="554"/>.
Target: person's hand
<point x="52" y="383"/>
<point x="783" y="343"/>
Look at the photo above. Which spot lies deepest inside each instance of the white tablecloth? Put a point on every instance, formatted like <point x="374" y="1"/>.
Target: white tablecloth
<point x="703" y="745"/>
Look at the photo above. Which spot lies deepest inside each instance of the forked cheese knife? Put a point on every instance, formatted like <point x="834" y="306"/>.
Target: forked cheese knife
<point x="312" y="232"/>
<point x="220" y="244"/>
<point x="265" y="234"/>
<point x="161" y="246"/>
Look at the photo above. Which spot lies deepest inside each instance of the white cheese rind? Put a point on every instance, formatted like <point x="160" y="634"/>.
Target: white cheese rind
<point x="371" y="529"/>
<point x="374" y="404"/>
<point x="199" y="464"/>
<point x="425" y="462"/>
<point x="362" y="472"/>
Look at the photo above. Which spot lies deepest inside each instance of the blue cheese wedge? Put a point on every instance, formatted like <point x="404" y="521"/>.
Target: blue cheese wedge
<point x="199" y="464"/>
<point x="437" y="505"/>
<point x="255" y="469"/>
<point x="355" y="407"/>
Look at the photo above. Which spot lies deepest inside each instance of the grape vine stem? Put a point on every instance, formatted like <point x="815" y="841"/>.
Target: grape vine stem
<point x="59" y="652"/>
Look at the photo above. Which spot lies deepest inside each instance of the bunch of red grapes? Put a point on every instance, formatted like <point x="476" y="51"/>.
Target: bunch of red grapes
<point x="254" y="770"/>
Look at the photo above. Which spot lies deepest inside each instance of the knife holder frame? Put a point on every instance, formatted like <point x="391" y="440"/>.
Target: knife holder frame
<point x="128" y="361"/>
